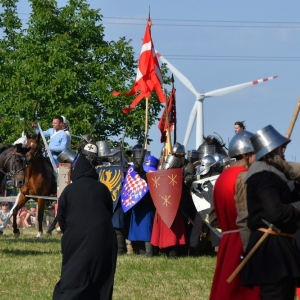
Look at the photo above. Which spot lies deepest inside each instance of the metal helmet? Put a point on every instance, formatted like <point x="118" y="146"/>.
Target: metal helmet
<point x="90" y="149"/>
<point x="207" y="162"/>
<point x="266" y="140"/>
<point x="178" y="148"/>
<point x="138" y="154"/>
<point x="67" y="156"/>
<point x="104" y="149"/>
<point x="219" y="161"/>
<point x="240" y="144"/>
<point x="206" y="150"/>
<point x="193" y="155"/>
<point x="171" y="162"/>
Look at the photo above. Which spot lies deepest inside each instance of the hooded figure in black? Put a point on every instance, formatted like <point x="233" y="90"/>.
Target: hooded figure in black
<point x="89" y="244"/>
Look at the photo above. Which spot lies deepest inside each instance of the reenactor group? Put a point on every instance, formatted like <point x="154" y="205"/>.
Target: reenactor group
<point x="242" y="205"/>
<point x="255" y="204"/>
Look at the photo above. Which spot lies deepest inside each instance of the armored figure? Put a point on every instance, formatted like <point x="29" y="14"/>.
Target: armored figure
<point x="272" y="207"/>
<point x="142" y="213"/>
<point x="230" y="207"/>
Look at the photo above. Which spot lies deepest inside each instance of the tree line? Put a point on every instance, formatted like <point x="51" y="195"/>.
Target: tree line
<point x="59" y="63"/>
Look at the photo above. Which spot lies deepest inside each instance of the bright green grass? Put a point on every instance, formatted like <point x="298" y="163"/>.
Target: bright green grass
<point x="30" y="267"/>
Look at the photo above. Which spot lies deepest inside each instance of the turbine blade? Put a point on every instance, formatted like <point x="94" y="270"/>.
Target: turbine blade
<point x="178" y="74"/>
<point x="230" y="89"/>
<point x="190" y="124"/>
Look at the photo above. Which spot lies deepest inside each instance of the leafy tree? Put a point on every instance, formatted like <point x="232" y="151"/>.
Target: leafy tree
<point x="60" y="64"/>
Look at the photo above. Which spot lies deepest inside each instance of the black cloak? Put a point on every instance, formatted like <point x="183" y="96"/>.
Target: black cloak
<point x="89" y="244"/>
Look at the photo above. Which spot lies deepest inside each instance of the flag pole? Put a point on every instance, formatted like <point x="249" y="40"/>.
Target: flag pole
<point x="146" y="124"/>
<point x="175" y="121"/>
<point x="168" y="134"/>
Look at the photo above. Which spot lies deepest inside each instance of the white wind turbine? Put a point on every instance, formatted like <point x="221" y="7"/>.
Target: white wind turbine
<point x="197" y="109"/>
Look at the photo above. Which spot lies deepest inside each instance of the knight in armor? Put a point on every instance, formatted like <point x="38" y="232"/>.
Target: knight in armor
<point x="107" y="157"/>
<point x="230" y="215"/>
<point x="171" y="240"/>
<point x="211" y="165"/>
<point x="275" y="266"/>
<point x="168" y="239"/>
<point x="142" y="213"/>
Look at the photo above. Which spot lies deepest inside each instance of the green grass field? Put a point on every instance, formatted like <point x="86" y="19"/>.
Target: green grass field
<point x="30" y="268"/>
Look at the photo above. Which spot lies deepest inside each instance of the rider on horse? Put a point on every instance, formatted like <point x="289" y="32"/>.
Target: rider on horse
<point x="59" y="140"/>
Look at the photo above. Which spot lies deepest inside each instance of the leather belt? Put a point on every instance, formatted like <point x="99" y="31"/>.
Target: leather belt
<point x="276" y="233"/>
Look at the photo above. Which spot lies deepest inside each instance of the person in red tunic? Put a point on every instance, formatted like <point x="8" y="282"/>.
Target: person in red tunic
<point x="230" y="205"/>
<point x="171" y="240"/>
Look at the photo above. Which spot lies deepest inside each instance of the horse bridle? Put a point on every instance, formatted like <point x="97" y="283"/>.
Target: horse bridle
<point x="10" y="162"/>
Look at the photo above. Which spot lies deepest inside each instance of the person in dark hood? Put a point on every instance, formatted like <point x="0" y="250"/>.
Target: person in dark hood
<point x="89" y="244"/>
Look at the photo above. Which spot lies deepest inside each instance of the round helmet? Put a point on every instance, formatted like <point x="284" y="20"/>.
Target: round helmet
<point x="206" y="163"/>
<point x="178" y="148"/>
<point x="219" y="160"/>
<point x="171" y="162"/>
<point x="266" y="140"/>
<point x="90" y="149"/>
<point x="240" y="144"/>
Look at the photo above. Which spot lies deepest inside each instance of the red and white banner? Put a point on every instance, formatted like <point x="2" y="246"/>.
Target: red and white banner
<point x="148" y="76"/>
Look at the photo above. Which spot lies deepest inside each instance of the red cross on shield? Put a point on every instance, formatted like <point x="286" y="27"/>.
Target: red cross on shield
<point x="165" y="189"/>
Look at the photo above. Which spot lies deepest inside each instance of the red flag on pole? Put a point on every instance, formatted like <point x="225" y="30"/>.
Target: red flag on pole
<point x="163" y="125"/>
<point x="148" y="76"/>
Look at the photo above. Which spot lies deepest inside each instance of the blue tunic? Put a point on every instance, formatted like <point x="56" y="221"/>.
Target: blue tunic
<point x="58" y="143"/>
<point x="141" y="221"/>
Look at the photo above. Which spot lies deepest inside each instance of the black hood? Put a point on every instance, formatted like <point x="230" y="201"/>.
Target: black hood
<point x="83" y="168"/>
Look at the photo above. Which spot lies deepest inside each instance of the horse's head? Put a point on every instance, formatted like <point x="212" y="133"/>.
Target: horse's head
<point x="22" y="140"/>
<point x="33" y="147"/>
<point x="13" y="163"/>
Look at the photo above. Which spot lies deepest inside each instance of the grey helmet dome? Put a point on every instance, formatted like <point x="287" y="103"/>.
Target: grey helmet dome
<point x="171" y="162"/>
<point x="206" y="163"/>
<point x="178" y="148"/>
<point x="266" y="140"/>
<point x="240" y="144"/>
<point x="219" y="160"/>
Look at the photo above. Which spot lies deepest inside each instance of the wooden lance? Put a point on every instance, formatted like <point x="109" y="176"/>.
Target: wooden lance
<point x="293" y="120"/>
<point x="242" y="264"/>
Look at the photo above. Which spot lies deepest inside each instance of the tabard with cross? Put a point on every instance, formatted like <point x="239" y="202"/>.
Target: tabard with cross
<point x="165" y="188"/>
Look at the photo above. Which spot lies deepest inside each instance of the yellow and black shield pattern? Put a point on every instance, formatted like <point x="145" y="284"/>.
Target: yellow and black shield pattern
<point x="112" y="177"/>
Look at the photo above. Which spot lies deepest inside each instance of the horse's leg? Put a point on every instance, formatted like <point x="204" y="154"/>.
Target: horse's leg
<point x="40" y="217"/>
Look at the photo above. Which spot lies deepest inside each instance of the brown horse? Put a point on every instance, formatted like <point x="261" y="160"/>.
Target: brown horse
<point x="38" y="181"/>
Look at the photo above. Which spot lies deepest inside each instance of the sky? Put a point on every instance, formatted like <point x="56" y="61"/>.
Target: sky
<point x="217" y="44"/>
